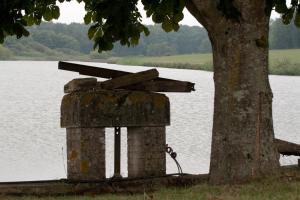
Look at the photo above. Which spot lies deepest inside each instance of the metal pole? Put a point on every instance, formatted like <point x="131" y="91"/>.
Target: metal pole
<point x="117" y="153"/>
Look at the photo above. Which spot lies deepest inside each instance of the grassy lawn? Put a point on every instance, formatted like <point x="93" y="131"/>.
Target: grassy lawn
<point x="282" y="62"/>
<point x="196" y="59"/>
<point x="286" y="187"/>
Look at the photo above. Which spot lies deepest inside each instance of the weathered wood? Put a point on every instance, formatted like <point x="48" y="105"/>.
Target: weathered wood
<point x="156" y="85"/>
<point x="164" y="86"/>
<point x="287" y="148"/>
<point x="91" y="71"/>
<point x="126" y="185"/>
<point x="130" y="79"/>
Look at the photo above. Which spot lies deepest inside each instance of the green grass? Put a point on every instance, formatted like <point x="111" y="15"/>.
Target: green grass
<point x="282" y="62"/>
<point x="285" y="186"/>
<point x="196" y="59"/>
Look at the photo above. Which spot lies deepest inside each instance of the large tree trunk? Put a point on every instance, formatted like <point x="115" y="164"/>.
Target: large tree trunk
<point x="243" y="137"/>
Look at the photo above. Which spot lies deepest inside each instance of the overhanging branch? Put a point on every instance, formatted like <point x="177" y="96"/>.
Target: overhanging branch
<point x="205" y="11"/>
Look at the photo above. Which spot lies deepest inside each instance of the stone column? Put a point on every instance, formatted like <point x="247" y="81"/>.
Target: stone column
<point x="86" y="153"/>
<point x="146" y="151"/>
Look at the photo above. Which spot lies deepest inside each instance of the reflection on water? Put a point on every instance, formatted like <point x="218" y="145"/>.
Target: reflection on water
<point x="32" y="144"/>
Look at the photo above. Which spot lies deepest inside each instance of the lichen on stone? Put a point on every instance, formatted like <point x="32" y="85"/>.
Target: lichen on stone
<point x="73" y="155"/>
<point x="84" y="166"/>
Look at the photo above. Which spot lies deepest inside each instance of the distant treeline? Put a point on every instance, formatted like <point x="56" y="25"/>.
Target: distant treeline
<point x="284" y="36"/>
<point x="51" y="41"/>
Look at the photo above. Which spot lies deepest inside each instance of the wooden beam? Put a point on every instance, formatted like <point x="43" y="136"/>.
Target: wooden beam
<point x="287" y="148"/>
<point x="96" y="71"/>
<point x="91" y="71"/>
<point x="164" y="86"/>
<point x="130" y="79"/>
<point x="156" y="85"/>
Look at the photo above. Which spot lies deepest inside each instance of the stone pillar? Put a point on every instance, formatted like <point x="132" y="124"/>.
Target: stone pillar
<point x="146" y="151"/>
<point x="86" y="153"/>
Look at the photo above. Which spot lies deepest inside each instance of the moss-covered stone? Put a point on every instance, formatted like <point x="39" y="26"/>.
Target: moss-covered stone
<point x="110" y="108"/>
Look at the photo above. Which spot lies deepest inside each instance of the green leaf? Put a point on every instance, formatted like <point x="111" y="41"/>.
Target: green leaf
<point x="95" y="46"/>
<point x="294" y="2"/>
<point x="18" y="30"/>
<point x="167" y="25"/>
<point x="25" y="32"/>
<point x="281" y="7"/>
<point x="178" y="17"/>
<point x="157" y="18"/>
<point x="37" y="20"/>
<point x="297" y="18"/>
<point x="92" y="31"/>
<point x="110" y="46"/>
<point x="288" y="16"/>
<point x="47" y="14"/>
<point x="94" y="16"/>
<point x="105" y="45"/>
<point x="55" y="12"/>
<point x="29" y="19"/>
<point x="149" y="13"/>
<point x="1" y="37"/>
<point x="176" y="26"/>
<point x="98" y="34"/>
<point x="181" y="5"/>
<point x="166" y="7"/>
<point x="88" y="18"/>
<point x="135" y="40"/>
<point x="123" y="42"/>
<point x="146" y="31"/>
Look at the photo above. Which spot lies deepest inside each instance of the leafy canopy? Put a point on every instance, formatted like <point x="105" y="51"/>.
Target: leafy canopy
<point x="15" y="15"/>
<point x="288" y="13"/>
<point x="112" y="20"/>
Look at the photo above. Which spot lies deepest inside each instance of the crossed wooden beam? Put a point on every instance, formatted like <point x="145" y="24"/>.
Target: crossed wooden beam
<point x="148" y="80"/>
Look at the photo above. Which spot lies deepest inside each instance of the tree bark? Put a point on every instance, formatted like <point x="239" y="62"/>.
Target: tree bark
<point x="243" y="137"/>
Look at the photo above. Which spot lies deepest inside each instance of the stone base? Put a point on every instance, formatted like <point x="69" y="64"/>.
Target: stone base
<point x="86" y="153"/>
<point x="146" y="151"/>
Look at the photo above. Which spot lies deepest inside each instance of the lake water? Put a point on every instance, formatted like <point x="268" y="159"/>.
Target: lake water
<point x="33" y="146"/>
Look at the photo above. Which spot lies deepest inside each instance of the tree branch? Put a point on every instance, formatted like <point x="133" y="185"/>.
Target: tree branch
<point x="205" y="11"/>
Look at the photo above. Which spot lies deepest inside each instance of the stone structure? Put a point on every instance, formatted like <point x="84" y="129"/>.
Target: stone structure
<point x="112" y="108"/>
<point x="146" y="151"/>
<point x="87" y="109"/>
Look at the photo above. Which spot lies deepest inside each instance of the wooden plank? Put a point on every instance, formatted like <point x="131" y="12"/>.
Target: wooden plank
<point x="96" y="71"/>
<point x="287" y="148"/>
<point x="91" y="71"/>
<point x="164" y="86"/>
<point x="130" y="79"/>
<point x="157" y="85"/>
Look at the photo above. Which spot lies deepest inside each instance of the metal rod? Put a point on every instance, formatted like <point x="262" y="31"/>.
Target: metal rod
<point x="117" y="153"/>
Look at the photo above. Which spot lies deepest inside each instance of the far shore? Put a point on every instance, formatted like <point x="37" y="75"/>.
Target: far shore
<point x="281" y="62"/>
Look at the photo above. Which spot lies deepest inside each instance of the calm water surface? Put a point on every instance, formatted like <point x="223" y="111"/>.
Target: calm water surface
<point x="33" y="146"/>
